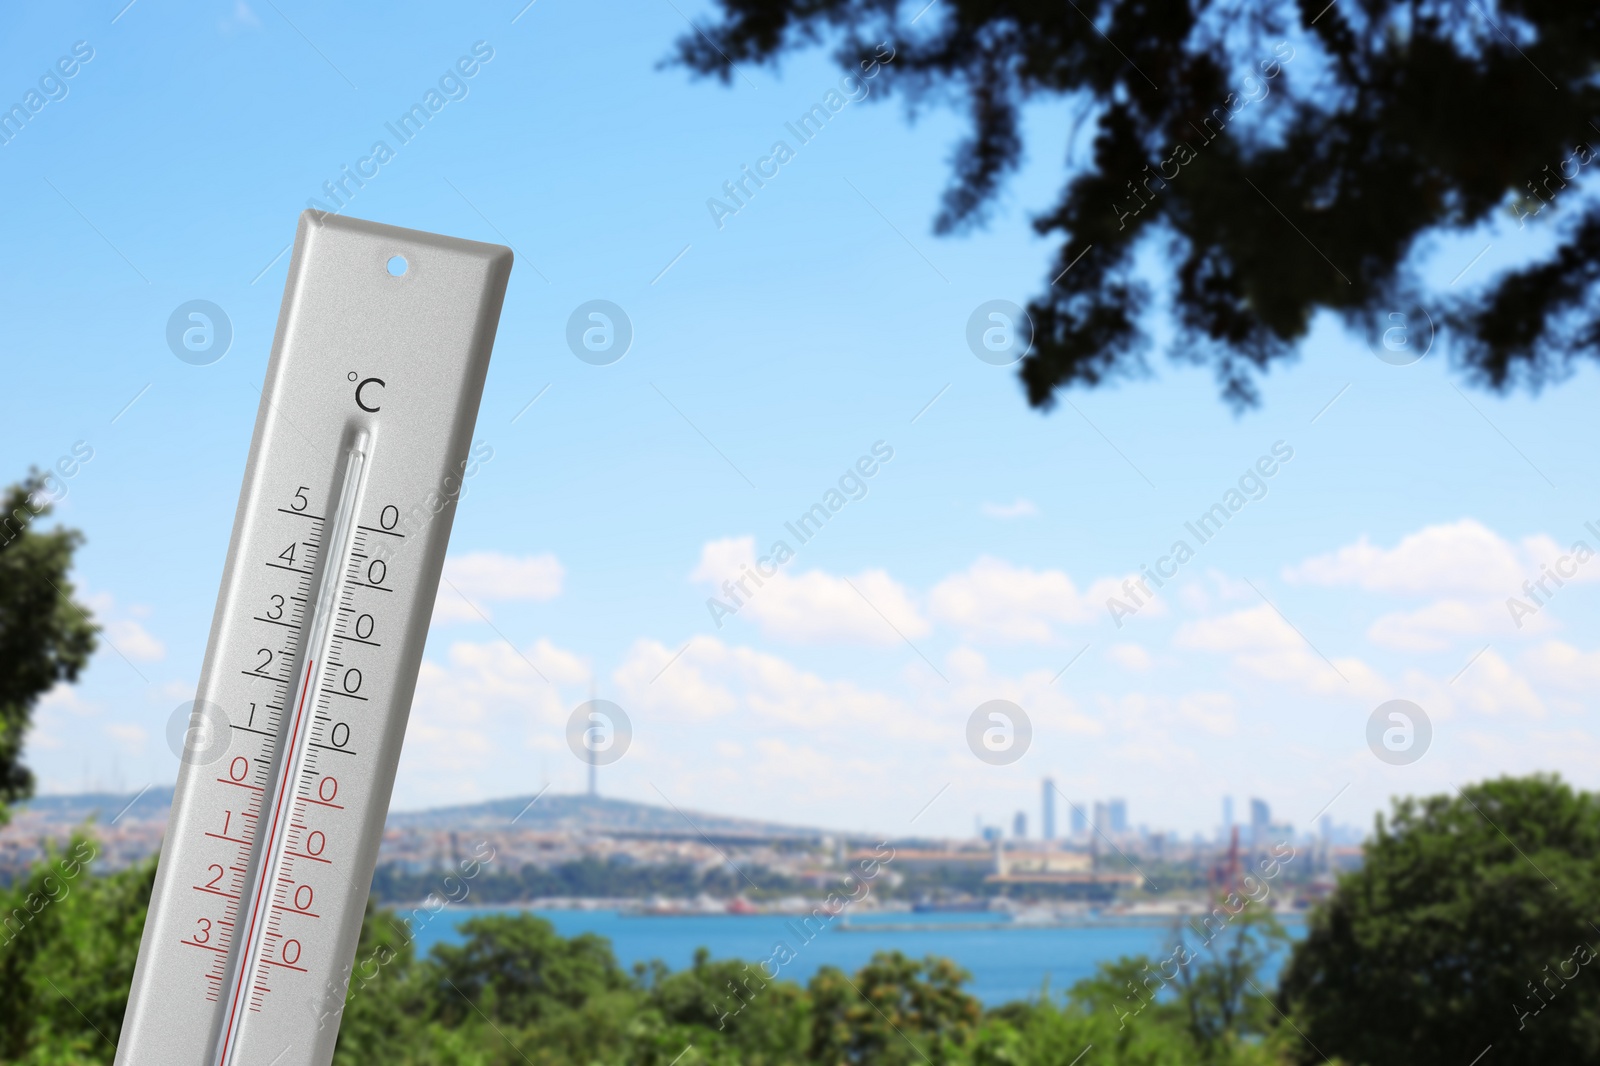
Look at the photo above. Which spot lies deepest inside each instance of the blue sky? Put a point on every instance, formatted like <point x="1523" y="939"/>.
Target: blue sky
<point x="768" y="355"/>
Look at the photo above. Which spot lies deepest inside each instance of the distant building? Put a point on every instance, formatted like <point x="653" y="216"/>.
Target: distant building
<point x="1047" y="810"/>
<point x="959" y="859"/>
<point x="1119" y="816"/>
<point x="1019" y="825"/>
<point x="1227" y="817"/>
<point x="1260" y="823"/>
<point x="1080" y="821"/>
<point x="1102" y="817"/>
<point x="1047" y="862"/>
<point x="1057" y="867"/>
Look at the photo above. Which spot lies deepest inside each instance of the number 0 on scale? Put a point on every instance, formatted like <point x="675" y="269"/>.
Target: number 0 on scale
<point x="361" y="444"/>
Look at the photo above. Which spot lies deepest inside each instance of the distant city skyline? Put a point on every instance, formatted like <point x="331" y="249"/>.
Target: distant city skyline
<point x="129" y="827"/>
<point x="1111" y="818"/>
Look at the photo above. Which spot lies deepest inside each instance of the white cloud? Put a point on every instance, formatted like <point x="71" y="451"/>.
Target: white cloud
<point x="478" y="578"/>
<point x="1212" y="711"/>
<point x="1458" y="557"/>
<point x="53" y="718"/>
<point x="120" y="631"/>
<point x="972" y="682"/>
<point x="1469" y="568"/>
<point x="787" y="733"/>
<point x="1193" y="596"/>
<point x="1572" y="563"/>
<point x="1490" y="686"/>
<point x="723" y="719"/>
<point x="451" y="606"/>
<point x="176" y="691"/>
<point x="712" y="680"/>
<point x="1264" y="644"/>
<point x="65" y="697"/>
<point x="1146" y="732"/>
<point x="1252" y="629"/>
<point x="60" y="719"/>
<point x="1437" y="626"/>
<point x="1130" y="657"/>
<point x="1558" y="663"/>
<point x="1022" y="508"/>
<point x="991" y="600"/>
<point x="1229" y="589"/>
<point x="478" y="714"/>
<point x="809" y="606"/>
<point x="1196" y="597"/>
<point x="130" y="736"/>
<point x="134" y="641"/>
<point x="995" y="600"/>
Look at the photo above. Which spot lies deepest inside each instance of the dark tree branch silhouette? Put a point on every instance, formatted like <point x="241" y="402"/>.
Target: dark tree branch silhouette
<point x="1284" y="158"/>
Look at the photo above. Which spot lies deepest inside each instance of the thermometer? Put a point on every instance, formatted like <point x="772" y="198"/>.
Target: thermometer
<point x="361" y="445"/>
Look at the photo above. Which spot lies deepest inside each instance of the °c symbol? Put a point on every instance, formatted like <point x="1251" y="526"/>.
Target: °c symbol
<point x="364" y="383"/>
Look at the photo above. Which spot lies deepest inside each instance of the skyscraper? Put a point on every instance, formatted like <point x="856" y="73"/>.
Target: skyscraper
<point x="1080" y="821"/>
<point x="1260" y="822"/>
<point x="1119" y="816"/>
<point x="1102" y="816"/>
<point x="1227" y="815"/>
<point x="1047" y="812"/>
<point x="1019" y="825"/>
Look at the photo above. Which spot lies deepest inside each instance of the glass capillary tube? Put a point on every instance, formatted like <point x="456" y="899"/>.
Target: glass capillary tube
<point x="335" y="552"/>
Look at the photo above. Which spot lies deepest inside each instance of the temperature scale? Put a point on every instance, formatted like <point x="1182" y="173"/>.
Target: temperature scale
<point x="362" y="443"/>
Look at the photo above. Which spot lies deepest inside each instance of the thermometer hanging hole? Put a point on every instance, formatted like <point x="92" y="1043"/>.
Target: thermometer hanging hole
<point x="397" y="266"/>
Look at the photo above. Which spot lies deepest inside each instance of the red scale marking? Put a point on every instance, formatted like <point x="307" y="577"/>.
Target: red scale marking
<point x="277" y="811"/>
<point x="298" y="831"/>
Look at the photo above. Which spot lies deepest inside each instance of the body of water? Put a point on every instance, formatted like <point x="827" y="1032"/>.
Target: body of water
<point x="1005" y="963"/>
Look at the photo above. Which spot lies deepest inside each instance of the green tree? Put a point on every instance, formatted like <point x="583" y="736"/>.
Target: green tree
<point x="731" y="1009"/>
<point x="1273" y="159"/>
<point x="1205" y="1001"/>
<point x="1471" y="924"/>
<point x="384" y="999"/>
<point x="44" y="636"/>
<point x="894" y="1010"/>
<point x="1221" y="994"/>
<point x="517" y="969"/>
<point x="68" y="943"/>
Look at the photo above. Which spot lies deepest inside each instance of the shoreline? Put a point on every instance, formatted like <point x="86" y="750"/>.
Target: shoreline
<point x="843" y="922"/>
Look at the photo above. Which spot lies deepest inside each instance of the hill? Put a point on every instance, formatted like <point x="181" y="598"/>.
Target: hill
<point x="580" y="812"/>
<point x="549" y="812"/>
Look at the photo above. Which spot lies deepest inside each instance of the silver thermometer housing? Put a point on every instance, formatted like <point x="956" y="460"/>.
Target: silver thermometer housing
<point x="362" y="443"/>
